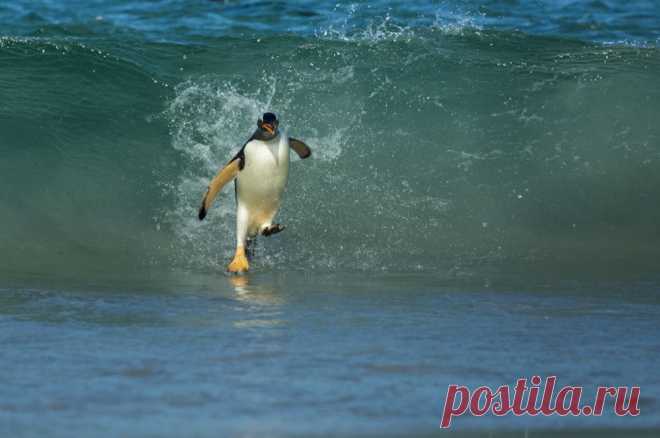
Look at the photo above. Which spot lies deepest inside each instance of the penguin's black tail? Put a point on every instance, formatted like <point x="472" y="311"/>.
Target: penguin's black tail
<point x="250" y="248"/>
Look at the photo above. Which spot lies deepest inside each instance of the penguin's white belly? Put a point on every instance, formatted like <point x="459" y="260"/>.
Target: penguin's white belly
<point x="261" y="183"/>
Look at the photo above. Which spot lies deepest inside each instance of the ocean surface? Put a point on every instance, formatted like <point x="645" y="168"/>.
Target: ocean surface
<point x="481" y="205"/>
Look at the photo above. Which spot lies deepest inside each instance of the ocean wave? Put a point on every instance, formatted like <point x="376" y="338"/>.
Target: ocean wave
<point x="439" y="152"/>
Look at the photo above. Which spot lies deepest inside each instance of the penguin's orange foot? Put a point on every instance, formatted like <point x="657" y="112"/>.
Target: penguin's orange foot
<point x="240" y="262"/>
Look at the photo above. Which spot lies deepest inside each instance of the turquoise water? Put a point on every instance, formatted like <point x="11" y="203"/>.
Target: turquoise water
<point x="482" y="190"/>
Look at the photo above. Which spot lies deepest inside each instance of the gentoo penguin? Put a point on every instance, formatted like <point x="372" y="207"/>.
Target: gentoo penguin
<point x="260" y="170"/>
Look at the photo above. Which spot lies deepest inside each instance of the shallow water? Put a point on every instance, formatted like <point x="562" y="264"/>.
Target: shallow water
<point x="279" y="354"/>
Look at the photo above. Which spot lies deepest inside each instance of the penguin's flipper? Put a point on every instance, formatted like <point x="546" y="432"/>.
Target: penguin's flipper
<point x="225" y="175"/>
<point x="301" y="148"/>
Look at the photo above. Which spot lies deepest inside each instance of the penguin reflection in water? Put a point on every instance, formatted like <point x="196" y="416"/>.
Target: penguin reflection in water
<point x="260" y="170"/>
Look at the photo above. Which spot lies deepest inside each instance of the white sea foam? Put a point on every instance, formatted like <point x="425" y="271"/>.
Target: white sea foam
<point x="354" y="28"/>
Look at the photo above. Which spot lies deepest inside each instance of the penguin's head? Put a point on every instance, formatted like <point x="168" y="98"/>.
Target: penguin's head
<point x="268" y="124"/>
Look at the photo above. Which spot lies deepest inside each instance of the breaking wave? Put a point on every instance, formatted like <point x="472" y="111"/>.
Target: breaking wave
<point x="446" y="147"/>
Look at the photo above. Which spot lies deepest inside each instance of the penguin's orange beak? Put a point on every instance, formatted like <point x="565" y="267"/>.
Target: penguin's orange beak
<point x="268" y="128"/>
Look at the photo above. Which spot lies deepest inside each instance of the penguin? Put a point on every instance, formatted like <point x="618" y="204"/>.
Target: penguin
<point x="259" y="170"/>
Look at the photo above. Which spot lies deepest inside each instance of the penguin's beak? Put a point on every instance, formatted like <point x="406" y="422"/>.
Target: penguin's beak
<point x="268" y="128"/>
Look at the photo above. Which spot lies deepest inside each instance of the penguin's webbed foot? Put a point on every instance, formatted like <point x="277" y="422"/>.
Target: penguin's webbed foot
<point x="240" y="262"/>
<point x="272" y="229"/>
